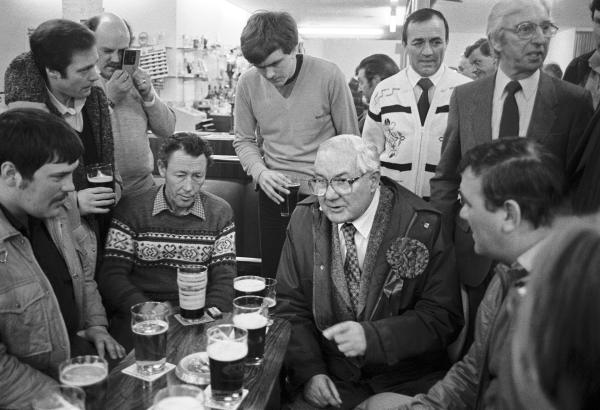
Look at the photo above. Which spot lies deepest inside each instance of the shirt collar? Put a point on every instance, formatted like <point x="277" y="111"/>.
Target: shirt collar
<point x="78" y="104"/>
<point x="364" y="223"/>
<point x="160" y="205"/>
<point x="526" y="259"/>
<point x="529" y="85"/>
<point x="414" y="77"/>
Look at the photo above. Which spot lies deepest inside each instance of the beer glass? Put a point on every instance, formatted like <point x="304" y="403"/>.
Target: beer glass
<point x="179" y="397"/>
<point x="89" y="373"/>
<point x="289" y="200"/>
<point x="249" y="285"/>
<point x="251" y="313"/>
<point x="100" y="175"/>
<point x="227" y="347"/>
<point x="149" y="324"/>
<point x="271" y="296"/>
<point x="191" y="281"/>
<point x="60" y="397"/>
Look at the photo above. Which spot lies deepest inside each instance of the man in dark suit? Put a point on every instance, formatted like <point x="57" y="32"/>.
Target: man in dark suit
<point x="518" y="100"/>
<point x="367" y="283"/>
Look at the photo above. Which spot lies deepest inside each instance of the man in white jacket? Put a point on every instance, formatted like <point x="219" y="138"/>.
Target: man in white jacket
<point x="408" y="111"/>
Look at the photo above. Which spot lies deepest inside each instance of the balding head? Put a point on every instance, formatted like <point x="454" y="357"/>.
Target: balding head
<point x="112" y="37"/>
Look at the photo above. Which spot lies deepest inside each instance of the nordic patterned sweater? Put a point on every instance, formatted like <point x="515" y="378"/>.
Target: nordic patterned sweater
<point x="143" y="251"/>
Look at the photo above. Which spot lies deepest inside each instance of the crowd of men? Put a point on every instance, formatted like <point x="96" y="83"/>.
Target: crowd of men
<point x="428" y="232"/>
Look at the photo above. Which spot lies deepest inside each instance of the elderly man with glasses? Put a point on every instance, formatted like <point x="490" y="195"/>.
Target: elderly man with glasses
<point x="367" y="283"/>
<point x="519" y="100"/>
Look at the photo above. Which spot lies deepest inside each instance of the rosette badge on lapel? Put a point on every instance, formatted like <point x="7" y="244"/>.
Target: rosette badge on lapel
<point x="408" y="259"/>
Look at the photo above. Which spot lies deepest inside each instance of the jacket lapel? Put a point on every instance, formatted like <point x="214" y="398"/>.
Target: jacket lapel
<point x="480" y="108"/>
<point x="543" y="114"/>
<point x="380" y="226"/>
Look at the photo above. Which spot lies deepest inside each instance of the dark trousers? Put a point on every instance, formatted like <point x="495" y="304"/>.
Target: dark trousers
<point x="272" y="233"/>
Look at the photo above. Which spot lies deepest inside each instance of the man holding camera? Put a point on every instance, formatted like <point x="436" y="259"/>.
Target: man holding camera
<point x="135" y="107"/>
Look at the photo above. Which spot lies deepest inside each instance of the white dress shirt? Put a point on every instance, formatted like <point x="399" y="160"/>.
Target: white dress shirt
<point x="72" y="115"/>
<point x="525" y="99"/>
<point x="363" y="225"/>
<point x="414" y="77"/>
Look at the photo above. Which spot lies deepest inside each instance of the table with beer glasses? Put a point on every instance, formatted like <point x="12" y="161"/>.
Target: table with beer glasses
<point x="129" y="393"/>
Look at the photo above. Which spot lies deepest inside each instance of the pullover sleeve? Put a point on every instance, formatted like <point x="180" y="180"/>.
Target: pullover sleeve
<point x="161" y="118"/>
<point x="343" y="112"/>
<point x="222" y="268"/>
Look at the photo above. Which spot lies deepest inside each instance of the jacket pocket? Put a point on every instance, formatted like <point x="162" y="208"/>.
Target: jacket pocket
<point x="85" y="245"/>
<point x="23" y="323"/>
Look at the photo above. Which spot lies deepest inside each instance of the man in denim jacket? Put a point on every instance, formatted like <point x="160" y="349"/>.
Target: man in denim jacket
<point x="50" y="308"/>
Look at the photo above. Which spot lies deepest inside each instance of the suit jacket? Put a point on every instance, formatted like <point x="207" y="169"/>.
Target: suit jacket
<point x="408" y="322"/>
<point x="560" y="114"/>
<point x="578" y="69"/>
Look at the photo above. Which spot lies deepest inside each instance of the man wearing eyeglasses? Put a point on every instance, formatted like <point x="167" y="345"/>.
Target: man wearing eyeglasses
<point x="519" y="100"/>
<point x="366" y="282"/>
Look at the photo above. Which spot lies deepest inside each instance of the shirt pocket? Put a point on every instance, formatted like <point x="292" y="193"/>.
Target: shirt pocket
<point x="23" y="322"/>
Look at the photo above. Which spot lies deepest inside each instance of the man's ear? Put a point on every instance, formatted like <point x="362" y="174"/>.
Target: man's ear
<point x="53" y="74"/>
<point x="512" y="217"/>
<point x="9" y="174"/>
<point x="162" y="168"/>
<point x="374" y="180"/>
<point x="376" y="80"/>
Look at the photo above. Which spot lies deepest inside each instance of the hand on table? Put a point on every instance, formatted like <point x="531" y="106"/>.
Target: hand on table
<point x="118" y="86"/>
<point x="320" y="391"/>
<point x="95" y="200"/>
<point x="349" y="337"/>
<point x="104" y="342"/>
<point x="271" y="182"/>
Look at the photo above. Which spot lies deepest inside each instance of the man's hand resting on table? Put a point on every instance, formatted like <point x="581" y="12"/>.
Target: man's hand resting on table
<point x="104" y="342"/>
<point x="320" y="391"/>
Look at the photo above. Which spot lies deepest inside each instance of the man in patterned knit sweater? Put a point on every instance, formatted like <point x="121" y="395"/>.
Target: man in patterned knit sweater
<point x="165" y="227"/>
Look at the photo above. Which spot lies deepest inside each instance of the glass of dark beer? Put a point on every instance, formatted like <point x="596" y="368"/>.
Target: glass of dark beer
<point x="149" y="324"/>
<point x="251" y="313"/>
<point x="289" y="200"/>
<point x="59" y="397"/>
<point x="271" y="296"/>
<point x="249" y="286"/>
<point x="191" y="281"/>
<point x="100" y="175"/>
<point x="227" y="347"/>
<point x="90" y="374"/>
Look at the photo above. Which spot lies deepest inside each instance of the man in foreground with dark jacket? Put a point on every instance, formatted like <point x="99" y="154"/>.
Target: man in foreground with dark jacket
<point x="367" y="284"/>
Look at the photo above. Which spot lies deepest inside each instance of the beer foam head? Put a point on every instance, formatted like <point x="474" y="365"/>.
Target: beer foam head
<point x="179" y="403"/>
<point x="83" y="374"/>
<point x="227" y="350"/>
<point x="100" y="178"/>
<point x="249" y="285"/>
<point x="250" y="321"/>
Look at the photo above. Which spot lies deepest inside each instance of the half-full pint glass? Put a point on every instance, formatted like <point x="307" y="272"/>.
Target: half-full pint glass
<point x="289" y="200"/>
<point x="149" y="324"/>
<point x="252" y="313"/>
<point x="227" y="347"/>
<point x="249" y="286"/>
<point x="90" y="373"/>
<point x="179" y="397"/>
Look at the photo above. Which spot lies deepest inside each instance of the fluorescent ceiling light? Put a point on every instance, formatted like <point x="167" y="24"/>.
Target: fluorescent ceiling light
<point x="393" y="22"/>
<point x="340" y="32"/>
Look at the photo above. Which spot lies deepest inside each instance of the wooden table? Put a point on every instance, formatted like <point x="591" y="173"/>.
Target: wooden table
<point x="129" y="393"/>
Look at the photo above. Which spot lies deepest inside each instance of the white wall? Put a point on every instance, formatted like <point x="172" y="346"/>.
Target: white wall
<point x="16" y="17"/>
<point x="561" y="48"/>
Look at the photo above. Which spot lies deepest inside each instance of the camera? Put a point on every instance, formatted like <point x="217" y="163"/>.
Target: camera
<point x="131" y="60"/>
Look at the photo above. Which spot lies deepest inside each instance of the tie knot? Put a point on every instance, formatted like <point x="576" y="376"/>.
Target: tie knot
<point x="425" y="84"/>
<point x="349" y="230"/>
<point x="512" y="87"/>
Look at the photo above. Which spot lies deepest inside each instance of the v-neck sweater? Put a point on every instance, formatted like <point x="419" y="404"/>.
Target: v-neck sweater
<point x="319" y="107"/>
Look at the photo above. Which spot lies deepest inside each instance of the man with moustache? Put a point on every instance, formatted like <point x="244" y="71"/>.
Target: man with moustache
<point x="367" y="284"/>
<point x="480" y="56"/>
<point x="519" y="100"/>
<point x="408" y="111"/>
<point x="135" y="107"/>
<point x="292" y="102"/>
<point x="50" y="309"/>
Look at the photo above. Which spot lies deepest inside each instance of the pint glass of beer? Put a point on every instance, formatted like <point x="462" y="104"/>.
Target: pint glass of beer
<point x="251" y="313"/>
<point x="100" y="175"/>
<point x="271" y="296"/>
<point x="60" y="397"/>
<point x="227" y="347"/>
<point x="149" y="324"/>
<point x="89" y="373"/>
<point x="289" y="200"/>
<point x="179" y="397"/>
<point x="249" y="286"/>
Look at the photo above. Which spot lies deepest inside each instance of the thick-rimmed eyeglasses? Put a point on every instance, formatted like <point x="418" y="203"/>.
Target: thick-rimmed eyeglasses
<point x="528" y="29"/>
<point x="343" y="186"/>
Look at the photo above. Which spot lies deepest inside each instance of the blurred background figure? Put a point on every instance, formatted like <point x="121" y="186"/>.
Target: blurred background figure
<point x="481" y="58"/>
<point x="553" y="69"/>
<point x="465" y="67"/>
<point x="555" y="352"/>
<point x="370" y="72"/>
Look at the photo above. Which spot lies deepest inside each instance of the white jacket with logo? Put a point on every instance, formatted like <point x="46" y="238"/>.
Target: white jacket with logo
<point x="393" y="125"/>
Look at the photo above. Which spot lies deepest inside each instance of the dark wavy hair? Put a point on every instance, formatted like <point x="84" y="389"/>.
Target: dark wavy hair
<point x="268" y="31"/>
<point x="521" y="170"/>
<point x="378" y="64"/>
<point x="190" y="143"/>
<point x="420" y="16"/>
<point x="31" y="138"/>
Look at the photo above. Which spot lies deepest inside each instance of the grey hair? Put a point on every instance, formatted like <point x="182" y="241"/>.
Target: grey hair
<point x="501" y="10"/>
<point x="367" y="158"/>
